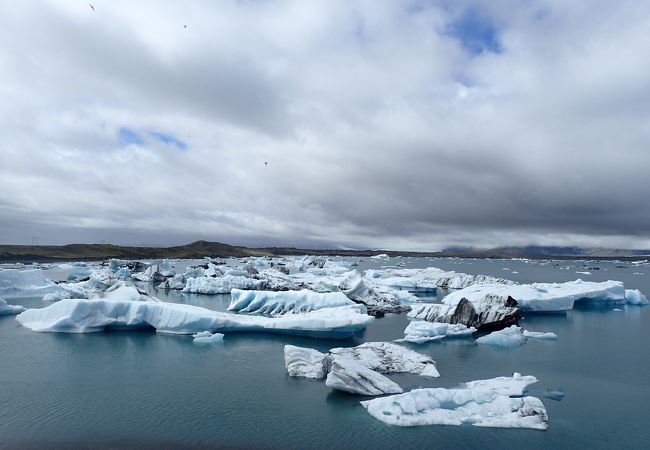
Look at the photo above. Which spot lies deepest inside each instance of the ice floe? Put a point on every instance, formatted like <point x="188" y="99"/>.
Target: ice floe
<point x="635" y="297"/>
<point x="421" y="331"/>
<point x="386" y="357"/>
<point x="488" y="312"/>
<point x="512" y="336"/>
<point x="83" y="316"/>
<point x="480" y="404"/>
<point x="6" y="309"/>
<point x="305" y="362"/>
<point x="207" y="337"/>
<point x="540" y="335"/>
<point x="221" y="285"/>
<point x="25" y="283"/>
<point x="352" y="376"/>
<point x="545" y="297"/>
<point x="285" y="302"/>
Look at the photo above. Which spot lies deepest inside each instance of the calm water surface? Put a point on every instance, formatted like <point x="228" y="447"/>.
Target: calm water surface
<point x="143" y="390"/>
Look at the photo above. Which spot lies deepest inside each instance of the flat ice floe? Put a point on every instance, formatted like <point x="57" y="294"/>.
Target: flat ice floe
<point x="546" y="297"/>
<point x="421" y="331"/>
<point x="84" y="316"/>
<point x="25" y="283"/>
<point x="285" y="302"/>
<point x="483" y="403"/>
<point x="7" y="309"/>
<point x="540" y="335"/>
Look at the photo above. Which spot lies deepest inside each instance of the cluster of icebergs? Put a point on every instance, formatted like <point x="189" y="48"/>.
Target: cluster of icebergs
<point x="327" y="299"/>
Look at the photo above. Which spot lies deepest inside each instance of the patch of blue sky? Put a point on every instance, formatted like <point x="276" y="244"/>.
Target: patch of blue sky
<point x="168" y="139"/>
<point x="476" y="32"/>
<point x="128" y="136"/>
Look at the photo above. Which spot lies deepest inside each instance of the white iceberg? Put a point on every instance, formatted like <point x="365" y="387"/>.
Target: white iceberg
<point x="462" y="406"/>
<point x="546" y="297"/>
<point x="84" y="316"/>
<point x="6" y="309"/>
<point x="25" y="283"/>
<point x="386" y="357"/>
<point x="421" y="331"/>
<point x="206" y="337"/>
<point x="429" y="279"/>
<point x="284" y="302"/>
<point x="305" y="362"/>
<point x="354" y="377"/>
<point x="221" y="285"/>
<point x="635" y="297"/>
<point x="512" y="386"/>
<point x="540" y="335"/>
<point x="508" y="337"/>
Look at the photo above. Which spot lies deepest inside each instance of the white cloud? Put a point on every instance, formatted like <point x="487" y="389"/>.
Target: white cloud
<point x="379" y="128"/>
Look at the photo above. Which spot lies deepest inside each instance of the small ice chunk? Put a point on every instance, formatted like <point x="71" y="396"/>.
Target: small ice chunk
<point x="635" y="297"/>
<point x="421" y="331"/>
<point x="554" y="394"/>
<point x="540" y="335"/>
<point x="206" y="337"/>
<point x="508" y="337"/>
<point x="305" y="362"/>
<point x="7" y="309"/>
<point x="512" y="386"/>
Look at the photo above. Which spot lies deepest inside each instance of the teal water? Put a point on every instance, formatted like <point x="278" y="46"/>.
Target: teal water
<point x="143" y="390"/>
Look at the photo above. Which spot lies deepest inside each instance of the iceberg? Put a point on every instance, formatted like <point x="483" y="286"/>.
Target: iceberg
<point x="221" y="285"/>
<point x="478" y="406"/>
<point x="511" y="386"/>
<point x="429" y="279"/>
<point x="545" y="297"/>
<point x="635" y="297"/>
<point x="489" y="312"/>
<point x="206" y="337"/>
<point x="386" y="357"/>
<point x="25" y="283"/>
<point x="284" y="302"/>
<point x="6" y="309"/>
<point x="540" y="335"/>
<point x="84" y="316"/>
<point x="354" y="377"/>
<point x="508" y="337"/>
<point x="421" y="331"/>
<point x="305" y="362"/>
<point x="178" y="281"/>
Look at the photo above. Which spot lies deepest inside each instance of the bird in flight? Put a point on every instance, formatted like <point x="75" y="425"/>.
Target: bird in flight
<point x="266" y="163"/>
<point x="91" y="7"/>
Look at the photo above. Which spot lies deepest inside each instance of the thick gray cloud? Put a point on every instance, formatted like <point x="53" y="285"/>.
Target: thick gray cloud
<point x="412" y="125"/>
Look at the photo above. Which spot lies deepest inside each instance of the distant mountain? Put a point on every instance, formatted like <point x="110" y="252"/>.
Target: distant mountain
<point x="548" y="251"/>
<point x="199" y="249"/>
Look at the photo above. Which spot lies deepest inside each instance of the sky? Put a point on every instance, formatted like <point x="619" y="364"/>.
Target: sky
<point x="412" y="125"/>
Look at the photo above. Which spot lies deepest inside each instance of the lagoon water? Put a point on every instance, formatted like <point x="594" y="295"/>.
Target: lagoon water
<point x="144" y="390"/>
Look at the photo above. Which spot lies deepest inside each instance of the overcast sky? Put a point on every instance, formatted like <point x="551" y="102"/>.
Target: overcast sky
<point x="385" y="124"/>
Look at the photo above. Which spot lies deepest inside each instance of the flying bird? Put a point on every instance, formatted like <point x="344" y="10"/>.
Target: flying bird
<point x="266" y="163"/>
<point x="184" y="26"/>
<point x="91" y="7"/>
